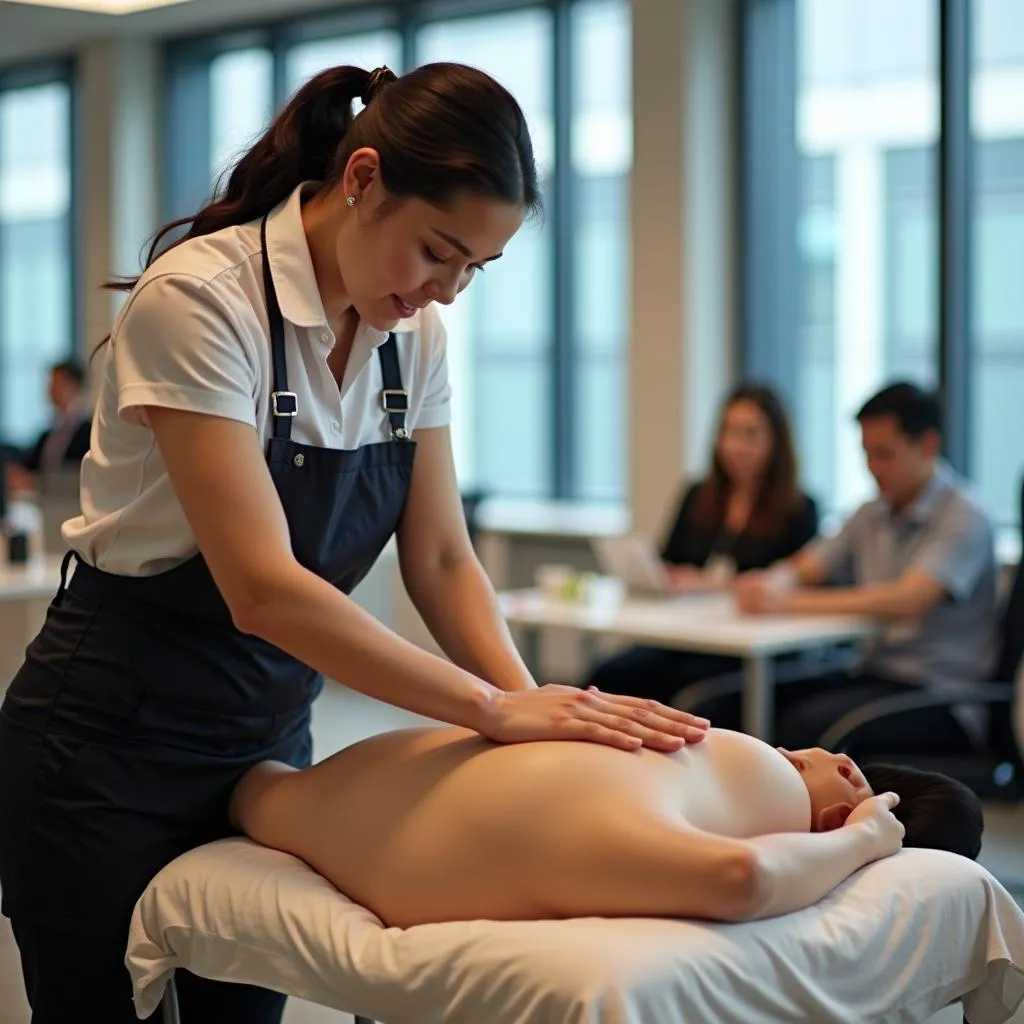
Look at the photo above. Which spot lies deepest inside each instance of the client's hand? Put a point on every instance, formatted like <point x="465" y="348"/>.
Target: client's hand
<point x="875" y="814"/>
<point x="556" y="712"/>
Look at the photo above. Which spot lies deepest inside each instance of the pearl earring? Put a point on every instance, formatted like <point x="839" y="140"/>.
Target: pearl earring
<point x="351" y="200"/>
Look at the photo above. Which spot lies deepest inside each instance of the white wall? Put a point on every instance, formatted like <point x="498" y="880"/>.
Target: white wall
<point x="683" y="343"/>
<point x="117" y="127"/>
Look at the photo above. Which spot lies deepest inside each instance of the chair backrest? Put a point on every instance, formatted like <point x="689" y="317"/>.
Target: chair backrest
<point x="471" y="502"/>
<point x="1005" y="736"/>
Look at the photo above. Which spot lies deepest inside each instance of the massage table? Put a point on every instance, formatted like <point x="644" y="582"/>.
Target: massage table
<point x="898" y="941"/>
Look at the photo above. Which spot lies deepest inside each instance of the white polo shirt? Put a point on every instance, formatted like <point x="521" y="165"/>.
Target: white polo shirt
<point x="193" y="335"/>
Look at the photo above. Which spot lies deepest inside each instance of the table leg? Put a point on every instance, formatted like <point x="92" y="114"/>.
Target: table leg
<point x="758" y="697"/>
<point x="588" y="654"/>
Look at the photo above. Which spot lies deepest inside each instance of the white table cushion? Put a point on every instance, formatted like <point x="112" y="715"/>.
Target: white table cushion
<point x="896" y="942"/>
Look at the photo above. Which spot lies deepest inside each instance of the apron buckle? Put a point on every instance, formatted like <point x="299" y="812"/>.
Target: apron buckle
<point x="284" y="403"/>
<point x="394" y="400"/>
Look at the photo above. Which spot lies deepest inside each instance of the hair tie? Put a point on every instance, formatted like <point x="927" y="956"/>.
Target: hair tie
<point x="379" y="77"/>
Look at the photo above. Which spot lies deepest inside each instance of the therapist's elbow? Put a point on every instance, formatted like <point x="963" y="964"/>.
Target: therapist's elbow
<point x="255" y="599"/>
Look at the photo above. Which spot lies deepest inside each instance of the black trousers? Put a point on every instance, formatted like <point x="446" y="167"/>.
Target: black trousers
<point x="656" y="673"/>
<point x="73" y="978"/>
<point x="806" y="708"/>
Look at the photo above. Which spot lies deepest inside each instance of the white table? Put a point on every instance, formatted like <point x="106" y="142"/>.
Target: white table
<point x="706" y="624"/>
<point x="25" y="593"/>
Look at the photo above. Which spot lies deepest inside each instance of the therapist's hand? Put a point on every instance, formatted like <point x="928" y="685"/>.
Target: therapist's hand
<point x="556" y="712"/>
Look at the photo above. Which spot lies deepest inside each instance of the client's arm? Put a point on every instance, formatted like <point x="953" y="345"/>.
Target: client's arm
<point x="658" y="869"/>
<point x="794" y="870"/>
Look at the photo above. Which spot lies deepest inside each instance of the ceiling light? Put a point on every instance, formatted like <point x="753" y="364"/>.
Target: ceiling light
<point x="104" y="6"/>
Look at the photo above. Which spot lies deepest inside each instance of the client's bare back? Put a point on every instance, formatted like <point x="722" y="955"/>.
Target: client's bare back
<point x="439" y="824"/>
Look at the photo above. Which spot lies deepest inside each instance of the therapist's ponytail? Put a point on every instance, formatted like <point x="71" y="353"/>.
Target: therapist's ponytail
<point x="298" y="146"/>
<point x="439" y="130"/>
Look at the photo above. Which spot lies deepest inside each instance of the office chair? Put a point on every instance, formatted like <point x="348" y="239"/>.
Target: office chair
<point x="995" y="771"/>
<point x="471" y="502"/>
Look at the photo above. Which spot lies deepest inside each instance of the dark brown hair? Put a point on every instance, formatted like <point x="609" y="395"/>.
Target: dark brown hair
<point x="915" y="410"/>
<point x="779" y="495"/>
<point x="938" y="813"/>
<point x="441" y="130"/>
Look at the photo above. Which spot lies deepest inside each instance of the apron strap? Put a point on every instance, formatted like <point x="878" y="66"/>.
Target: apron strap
<point x="394" y="399"/>
<point x="64" y="566"/>
<point x="284" y="404"/>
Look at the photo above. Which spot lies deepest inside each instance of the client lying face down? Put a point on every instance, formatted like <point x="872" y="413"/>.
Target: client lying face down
<point x="438" y="824"/>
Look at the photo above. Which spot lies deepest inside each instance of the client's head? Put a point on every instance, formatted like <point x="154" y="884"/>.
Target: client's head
<point x="936" y="811"/>
<point x="834" y="784"/>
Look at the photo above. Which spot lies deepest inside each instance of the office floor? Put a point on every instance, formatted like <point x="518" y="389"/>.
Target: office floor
<point x="343" y="717"/>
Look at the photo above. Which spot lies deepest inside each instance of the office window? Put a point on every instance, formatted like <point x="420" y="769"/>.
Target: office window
<point x="997" y="281"/>
<point x="500" y="343"/>
<point x="601" y="161"/>
<point x="36" y="293"/>
<point x="867" y="95"/>
<point x="367" y="50"/>
<point x="910" y="265"/>
<point x="241" y="104"/>
<point x="840" y="137"/>
<point x="816" y="241"/>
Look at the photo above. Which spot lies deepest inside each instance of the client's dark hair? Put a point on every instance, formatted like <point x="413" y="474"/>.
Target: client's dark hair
<point x="937" y="812"/>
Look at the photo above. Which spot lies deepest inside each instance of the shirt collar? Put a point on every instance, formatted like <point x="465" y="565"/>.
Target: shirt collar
<point x="923" y="507"/>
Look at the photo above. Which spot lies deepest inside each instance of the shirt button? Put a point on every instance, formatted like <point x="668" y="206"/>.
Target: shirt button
<point x="325" y="337"/>
<point x="336" y="426"/>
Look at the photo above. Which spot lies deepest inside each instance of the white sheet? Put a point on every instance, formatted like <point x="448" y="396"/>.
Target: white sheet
<point x="896" y="942"/>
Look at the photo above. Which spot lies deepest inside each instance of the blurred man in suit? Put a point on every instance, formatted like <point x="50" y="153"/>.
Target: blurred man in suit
<point x="64" y="443"/>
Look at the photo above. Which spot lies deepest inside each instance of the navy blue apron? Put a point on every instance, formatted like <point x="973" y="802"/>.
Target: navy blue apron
<point x="139" y="704"/>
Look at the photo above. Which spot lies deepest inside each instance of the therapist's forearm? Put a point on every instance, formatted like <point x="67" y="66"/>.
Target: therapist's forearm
<point x="458" y="605"/>
<point x="311" y="620"/>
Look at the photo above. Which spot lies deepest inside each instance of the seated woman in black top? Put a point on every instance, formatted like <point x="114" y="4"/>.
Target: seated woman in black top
<point x="746" y="514"/>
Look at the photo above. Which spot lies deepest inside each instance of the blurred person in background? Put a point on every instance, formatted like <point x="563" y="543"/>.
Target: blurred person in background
<point x="920" y="558"/>
<point x="747" y="513"/>
<point x="64" y="443"/>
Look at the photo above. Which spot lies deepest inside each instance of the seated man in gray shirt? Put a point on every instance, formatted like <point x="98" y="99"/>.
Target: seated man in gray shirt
<point x="920" y="558"/>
